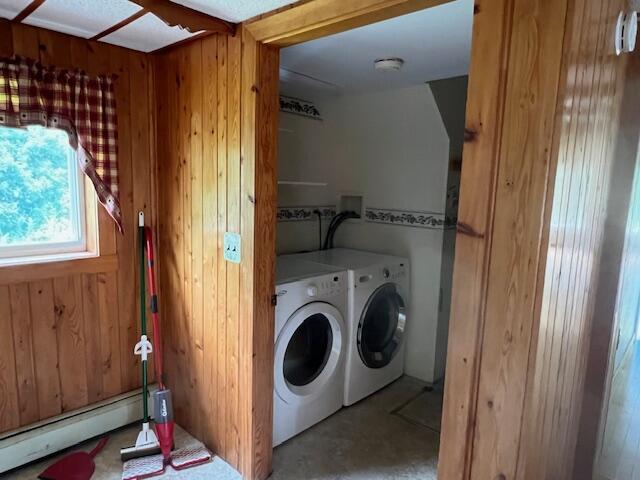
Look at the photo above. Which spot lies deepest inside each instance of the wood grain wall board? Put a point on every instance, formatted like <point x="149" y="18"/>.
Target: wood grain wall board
<point x="71" y="342"/>
<point x="197" y="226"/>
<point x="587" y="106"/>
<point x="141" y="165"/>
<point x="250" y="90"/>
<point x="223" y="85"/>
<point x="262" y="205"/>
<point x="94" y="343"/>
<point x="127" y="246"/>
<point x="93" y="336"/>
<point x="6" y="38"/>
<point x="109" y="332"/>
<point x="233" y="300"/>
<point x="535" y="57"/>
<point x="567" y="201"/>
<point x="206" y="111"/>
<point x="9" y="418"/>
<point x="212" y="431"/>
<point x="44" y="324"/>
<point x="484" y="113"/>
<point x="186" y="320"/>
<point x="538" y="307"/>
<point x="28" y="408"/>
<point x="602" y="338"/>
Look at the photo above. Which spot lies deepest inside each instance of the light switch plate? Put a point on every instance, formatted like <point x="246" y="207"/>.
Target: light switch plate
<point x="232" y="247"/>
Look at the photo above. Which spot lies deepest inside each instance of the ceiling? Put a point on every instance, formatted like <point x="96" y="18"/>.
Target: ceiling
<point x="89" y="18"/>
<point x="435" y="43"/>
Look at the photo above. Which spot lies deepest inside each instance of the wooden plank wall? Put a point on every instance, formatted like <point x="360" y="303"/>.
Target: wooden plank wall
<point x="614" y="260"/>
<point x="67" y="341"/>
<point x="217" y="174"/>
<point x="542" y="110"/>
<point x="588" y="117"/>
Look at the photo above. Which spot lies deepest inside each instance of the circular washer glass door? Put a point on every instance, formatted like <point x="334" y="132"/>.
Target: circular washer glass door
<point x="307" y="352"/>
<point x="381" y="326"/>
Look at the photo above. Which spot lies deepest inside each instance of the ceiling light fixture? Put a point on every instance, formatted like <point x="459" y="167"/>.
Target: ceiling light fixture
<point x="392" y="64"/>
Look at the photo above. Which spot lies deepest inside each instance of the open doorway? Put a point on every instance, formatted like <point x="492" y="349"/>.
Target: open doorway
<point x="370" y="147"/>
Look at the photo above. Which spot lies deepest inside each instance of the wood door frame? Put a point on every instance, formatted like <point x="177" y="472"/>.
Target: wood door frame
<point x="486" y="103"/>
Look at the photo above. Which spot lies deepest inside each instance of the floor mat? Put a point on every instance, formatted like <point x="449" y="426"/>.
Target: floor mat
<point x="217" y="469"/>
<point x="425" y="409"/>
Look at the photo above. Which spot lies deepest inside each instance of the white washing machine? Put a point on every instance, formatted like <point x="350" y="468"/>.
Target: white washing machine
<point x="310" y="339"/>
<point x="376" y="319"/>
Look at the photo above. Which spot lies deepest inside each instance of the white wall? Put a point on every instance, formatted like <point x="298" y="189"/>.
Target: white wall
<point x="392" y="148"/>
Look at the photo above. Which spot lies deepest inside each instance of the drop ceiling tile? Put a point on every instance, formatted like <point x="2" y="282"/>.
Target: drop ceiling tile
<point x="83" y="18"/>
<point x="146" y="34"/>
<point x="234" y="10"/>
<point x="10" y="8"/>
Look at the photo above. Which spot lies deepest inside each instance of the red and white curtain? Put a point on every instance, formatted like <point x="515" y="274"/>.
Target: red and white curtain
<point x="81" y="105"/>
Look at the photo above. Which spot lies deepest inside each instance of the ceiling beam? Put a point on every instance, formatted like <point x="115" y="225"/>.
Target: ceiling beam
<point x="319" y="18"/>
<point x="28" y="10"/>
<point x="191" y="20"/>
<point x="120" y="24"/>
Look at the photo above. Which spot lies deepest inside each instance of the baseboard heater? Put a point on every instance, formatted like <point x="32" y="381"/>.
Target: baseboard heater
<point x="27" y="444"/>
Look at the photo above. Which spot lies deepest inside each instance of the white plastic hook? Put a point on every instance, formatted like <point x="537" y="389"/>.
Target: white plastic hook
<point x="143" y="348"/>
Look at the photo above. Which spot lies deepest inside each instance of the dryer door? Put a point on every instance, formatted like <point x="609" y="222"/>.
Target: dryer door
<point x="308" y="352"/>
<point x="381" y="326"/>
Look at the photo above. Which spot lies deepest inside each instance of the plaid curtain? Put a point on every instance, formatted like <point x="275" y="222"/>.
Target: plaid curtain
<point x="81" y="105"/>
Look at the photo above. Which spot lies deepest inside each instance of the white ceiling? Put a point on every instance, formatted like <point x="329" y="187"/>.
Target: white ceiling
<point x="148" y="33"/>
<point x="87" y="18"/>
<point x="234" y="10"/>
<point x="83" y="18"/>
<point x="10" y="8"/>
<point x="435" y="43"/>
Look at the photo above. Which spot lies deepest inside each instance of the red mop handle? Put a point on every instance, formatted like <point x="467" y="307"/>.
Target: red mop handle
<point x="157" y="339"/>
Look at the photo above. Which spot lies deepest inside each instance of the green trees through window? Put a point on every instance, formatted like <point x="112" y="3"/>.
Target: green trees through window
<point x="39" y="188"/>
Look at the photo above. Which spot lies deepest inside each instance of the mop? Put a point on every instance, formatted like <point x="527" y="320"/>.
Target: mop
<point x="138" y="468"/>
<point x="147" y="442"/>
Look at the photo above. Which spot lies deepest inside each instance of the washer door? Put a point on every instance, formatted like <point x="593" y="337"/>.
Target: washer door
<point x="307" y="352"/>
<point x="381" y="326"/>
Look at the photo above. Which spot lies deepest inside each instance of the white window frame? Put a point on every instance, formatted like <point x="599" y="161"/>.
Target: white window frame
<point x="51" y="251"/>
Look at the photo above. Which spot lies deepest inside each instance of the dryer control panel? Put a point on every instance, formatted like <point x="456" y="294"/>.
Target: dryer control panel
<point x="327" y="286"/>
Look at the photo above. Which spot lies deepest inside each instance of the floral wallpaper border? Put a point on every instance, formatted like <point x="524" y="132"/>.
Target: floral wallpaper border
<point x="299" y="107"/>
<point x="302" y="214"/>
<point x="408" y="218"/>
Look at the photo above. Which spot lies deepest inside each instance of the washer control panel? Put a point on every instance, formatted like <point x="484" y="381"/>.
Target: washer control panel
<point x="326" y="286"/>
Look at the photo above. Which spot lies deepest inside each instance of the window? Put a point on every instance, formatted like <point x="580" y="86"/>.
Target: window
<point x="42" y="204"/>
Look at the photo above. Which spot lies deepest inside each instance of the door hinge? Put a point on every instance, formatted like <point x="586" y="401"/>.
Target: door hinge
<point x="274" y="300"/>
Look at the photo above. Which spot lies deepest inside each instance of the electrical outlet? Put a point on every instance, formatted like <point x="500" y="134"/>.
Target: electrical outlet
<point x="232" y="247"/>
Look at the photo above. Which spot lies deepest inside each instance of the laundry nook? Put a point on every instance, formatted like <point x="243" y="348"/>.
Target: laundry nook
<point x="319" y="240"/>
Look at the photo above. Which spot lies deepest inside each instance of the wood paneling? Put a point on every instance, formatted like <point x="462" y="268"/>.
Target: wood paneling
<point x="616" y="258"/>
<point x="586" y="133"/>
<point x="526" y="257"/>
<point x="217" y="174"/>
<point x="70" y="327"/>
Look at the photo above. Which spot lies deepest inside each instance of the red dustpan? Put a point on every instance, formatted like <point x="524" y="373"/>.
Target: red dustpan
<point x="75" y="466"/>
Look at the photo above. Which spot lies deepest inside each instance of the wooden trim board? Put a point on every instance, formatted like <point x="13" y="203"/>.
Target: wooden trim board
<point x="37" y="271"/>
